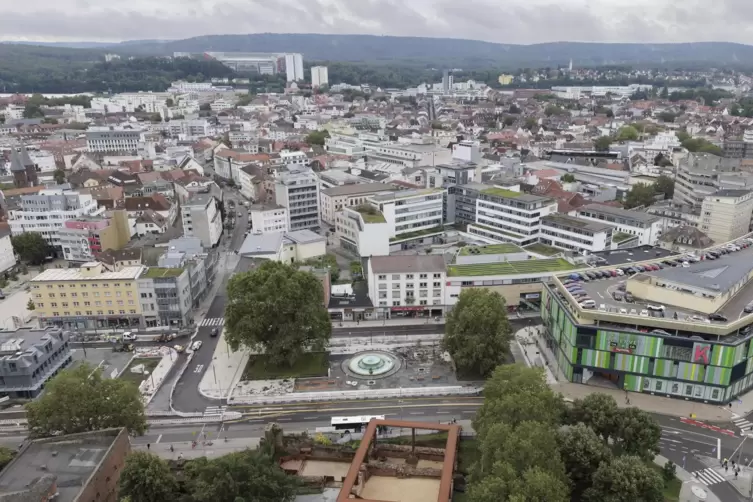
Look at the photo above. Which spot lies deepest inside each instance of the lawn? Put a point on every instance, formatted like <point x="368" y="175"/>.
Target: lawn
<point x="543" y="249"/>
<point x="149" y="364"/>
<point x="505" y="248"/>
<point x="312" y="364"/>
<point x="672" y="489"/>
<point x="510" y="268"/>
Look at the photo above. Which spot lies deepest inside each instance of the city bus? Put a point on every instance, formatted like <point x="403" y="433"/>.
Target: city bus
<point x="353" y="424"/>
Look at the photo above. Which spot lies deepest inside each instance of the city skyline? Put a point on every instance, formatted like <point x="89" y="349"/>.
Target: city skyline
<point x="533" y="22"/>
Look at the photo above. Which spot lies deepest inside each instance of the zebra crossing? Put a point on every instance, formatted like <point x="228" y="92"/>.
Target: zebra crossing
<point x="743" y="424"/>
<point x="215" y="410"/>
<point x="709" y="476"/>
<point x="213" y="321"/>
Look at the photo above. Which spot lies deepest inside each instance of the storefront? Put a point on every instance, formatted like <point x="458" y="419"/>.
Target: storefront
<point x="417" y="311"/>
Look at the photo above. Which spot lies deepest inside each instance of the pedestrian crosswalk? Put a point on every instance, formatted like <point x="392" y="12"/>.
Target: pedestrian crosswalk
<point x="709" y="476"/>
<point x="213" y="321"/>
<point x="215" y="410"/>
<point x="743" y="424"/>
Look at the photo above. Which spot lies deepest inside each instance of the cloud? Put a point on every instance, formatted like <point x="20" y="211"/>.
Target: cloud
<point x="510" y="21"/>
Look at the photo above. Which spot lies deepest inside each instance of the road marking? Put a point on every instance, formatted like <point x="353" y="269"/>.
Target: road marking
<point x="311" y="418"/>
<point x="696" y="433"/>
<point x="443" y="412"/>
<point x="709" y="476"/>
<point x="742" y="423"/>
<point x="158" y="439"/>
<point x="198" y="368"/>
<point x="718" y="448"/>
<point x="416" y="412"/>
<point x="284" y="419"/>
<point x="467" y="411"/>
<point x="213" y="321"/>
<point x="671" y="440"/>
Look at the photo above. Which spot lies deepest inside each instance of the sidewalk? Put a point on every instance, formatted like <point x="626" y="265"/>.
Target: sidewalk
<point x="715" y="473"/>
<point x="646" y="402"/>
<point x="218" y="448"/>
<point x="691" y="487"/>
<point x="224" y="372"/>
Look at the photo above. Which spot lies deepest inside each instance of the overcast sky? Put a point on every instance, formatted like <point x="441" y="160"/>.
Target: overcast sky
<point x="505" y="21"/>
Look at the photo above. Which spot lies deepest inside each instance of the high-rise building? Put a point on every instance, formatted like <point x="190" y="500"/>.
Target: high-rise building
<point x="446" y="81"/>
<point x="294" y="67"/>
<point x="319" y="76"/>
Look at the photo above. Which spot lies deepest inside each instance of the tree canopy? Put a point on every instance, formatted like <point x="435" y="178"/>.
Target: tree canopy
<point x="602" y="143"/>
<point x="627" y="133"/>
<point x="30" y="247"/>
<point x="245" y="476"/>
<point x="317" y="137"/>
<point x="80" y="400"/>
<point x="640" y="194"/>
<point x="477" y="332"/>
<point x="147" y="478"/>
<point x="535" y="447"/>
<point x="278" y="309"/>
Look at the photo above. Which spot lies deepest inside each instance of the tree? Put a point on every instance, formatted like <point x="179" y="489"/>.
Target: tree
<point x="514" y="109"/>
<point x="244" y="99"/>
<point x="531" y="122"/>
<point x="508" y="121"/>
<point x="169" y="103"/>
<point x="662" y="161"/>
<point x="205" y="107"/>
<point x="59" y="176"/>
<point x="504" y="484"/>
<point x="155" y="117"/>
<point x="554" y="110"/>
<point x="568" y="178"/>
<point x="641" y="194"/>
<point x="666" y="185"/>
<point x="30" y="247"/>
<point x="582" y="451"/>
<point x="596" y="411"/>
<point x="6" y="455"/>
<point x="667" y="117"/>
<point x="637" y="433"/>
<point x="627" y="133"/>
<point x="328" y="261"/>
<point x="278" y="309"/>
<point x="317" y="137"/>
<point x="603" y="143"/>
<point x="246" y="476"/>
<point x="625" y="479"/>
<point x="147" y="478"/>
<point x="30" y="305"/>
<point x="514" y="394"/>
<point x="33" y="111"/>
<point x="80" y="400"/>
<point x="477" y="331"/>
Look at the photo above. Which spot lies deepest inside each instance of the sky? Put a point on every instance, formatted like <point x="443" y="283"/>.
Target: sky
<point x="503" y="21"/>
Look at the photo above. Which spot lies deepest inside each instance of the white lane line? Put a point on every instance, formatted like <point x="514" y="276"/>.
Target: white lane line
<point x="442" y="412"/>
<point x="416" y="413"/>
<point x="158" y="439"/>
<point x="311" y="418"/>
<point x="284" y="419"/>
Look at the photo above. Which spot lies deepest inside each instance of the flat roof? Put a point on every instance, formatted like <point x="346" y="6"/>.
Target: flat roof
<point x="155" y="272"/>
<point x="504" y="248"/>
<point x="571" y="221"/>
<point x="404" y="194"/>
<point x="399" y="264"/>
<point x="716" y="277"/>
<point x="510" y="268"/>
<point x="626" y="214"/>
<point x="75" y="274"/>
<point x="369" y="214"/>
<point x="357" y="188"/>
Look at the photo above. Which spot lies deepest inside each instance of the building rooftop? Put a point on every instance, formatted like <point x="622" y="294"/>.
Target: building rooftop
<point x="404" y="194"/>
<point x="356" y="189"/>
<point x="369" y="214"/>
<point x="156" y="272"/>
<point x="398" y="264"/>
<point x="304" y="236"/>
<point x="730" y="193"/>
<point x="490" y="249"/>
<point x="510" y="268"/>
<point x="77" y="274"/>
<point x="261" y="244"/>
<point x="573" y="222"/>
<point x="618" y="212"/>
<point x="715" y="277"/>
<point x="65" y="461"/>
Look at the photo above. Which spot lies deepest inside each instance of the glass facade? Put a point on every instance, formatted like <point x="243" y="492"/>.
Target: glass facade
<point x="688" y="368"/>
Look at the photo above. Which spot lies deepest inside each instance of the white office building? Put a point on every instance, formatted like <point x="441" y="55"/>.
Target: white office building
<point x="267" y="218"/>
<point x="575" y="234"/>
<point x="646" y="227"/>
<point x="298" y="191"/>
<point x="363" y="230"/>
<point x="113" y="139"/>
<point x="201" y="218"/>
<point x="294" y="67"/>
<point x="319" y="76"/>
<point x="47" y="211"/>
<point x="410" y="285"/>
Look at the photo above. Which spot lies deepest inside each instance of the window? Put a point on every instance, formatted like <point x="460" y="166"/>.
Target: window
<point x="74" y="294"/>
<point x="53" y="304"/>
<point x="111" y="312"/>
<point x="63" y="295"/>
<point x="89" y="312"/>
<point x="422" y="276"/>
<point x="381" y="278"/>
<point x="40" y="305"/>
<point x="437" y="276"/>
<point x="132" y="311"/>
<point x="122" y="311"/>
<point x="84" y="294"/>
<point x="52" y="295"/>
<point x="409" y="276"/>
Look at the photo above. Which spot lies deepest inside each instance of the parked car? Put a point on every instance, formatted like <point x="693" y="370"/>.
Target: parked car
<point x="655" y="307"/>
<point x="215" y="332"/>
<point x="748" y="308"/>
<point x="717" y="317"/>
<point x="588" y="304"/>
<point x="128" y="336"/>
<point x="644" y="313"/>
<point x="196" y="345"/>
<point x="618" y="295"/>
<point x="629" y="297"/>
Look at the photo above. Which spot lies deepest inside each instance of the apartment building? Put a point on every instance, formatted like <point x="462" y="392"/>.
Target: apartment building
<point x="349" y="146"/>
<point x="202" y="219"/>
<point x="113" y="139"/>
<point x="268" y="218"/>
<point x="88" y="297"/>
<point x="334" y="199"/>
<point x="46" y="212"/>
<point x="228" y="163"/>
<point x="410" y="286"/>
<point x="740" y="147"/>
<point x="29" y="361"/>
<point x="701" y="175"/>
<point x="186" y="129"/>
<point x="188" y="253"/>
<point x="575" y="234"/>
<point x="83" y="238"/>
<point x="165" y="297"/>
<point x="504" y="215"/>
<point x="294" y="67"/>
<point x="298" y="191"/>
<point x="646" y="227"/>
<point x="7" y="256"/>
<point x="319" y="76"/>
<point x="411" y="213"/>
<point x="726" y="214"/>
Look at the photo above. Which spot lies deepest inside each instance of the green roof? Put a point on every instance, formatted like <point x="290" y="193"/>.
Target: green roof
<point x="495" y="230"/>
<point x="155" y="272"/>
<point x="370" y="214"/>
<point x="543" y="249"/>
<point x="510" y="267"/>
<point x="502" y="192"/>
<point x="417" y="234"/>
<point x="504" y="248"/>
<point x="621" y="237"/>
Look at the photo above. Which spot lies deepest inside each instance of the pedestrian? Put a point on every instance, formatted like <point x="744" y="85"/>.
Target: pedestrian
<point x="172" y="450"/>
<point x="726" y="468"/>
<point x="736" y="471"/>
<point x="180" y="456"/>
<point x="148" y="446"/>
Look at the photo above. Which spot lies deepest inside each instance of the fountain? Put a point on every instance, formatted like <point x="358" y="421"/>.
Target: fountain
<point x="372" y="364"/>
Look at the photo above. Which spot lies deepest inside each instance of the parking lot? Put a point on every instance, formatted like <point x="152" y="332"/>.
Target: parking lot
<point x="111" y="362"/>
<point x="601" y="291"/>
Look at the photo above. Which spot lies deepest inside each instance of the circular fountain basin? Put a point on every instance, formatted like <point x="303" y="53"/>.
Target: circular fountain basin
<point x="372" y="364"/>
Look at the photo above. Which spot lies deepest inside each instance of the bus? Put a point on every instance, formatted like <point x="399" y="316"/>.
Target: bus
<point x="353" y="424"/>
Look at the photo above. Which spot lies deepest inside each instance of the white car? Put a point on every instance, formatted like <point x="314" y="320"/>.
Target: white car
<point x="128" y="336"/>
<point x="657" y="308"/>
<point x="602" y="307"/>
<point x="633" y="312"/>
<point x="196" y="345"/>
<point x="623" y="311"/>
<point x="620" y="272"/>
<point x="644" y="313"/>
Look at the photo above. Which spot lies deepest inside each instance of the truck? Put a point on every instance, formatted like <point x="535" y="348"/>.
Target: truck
<point x="164" y="337"/>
